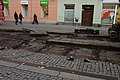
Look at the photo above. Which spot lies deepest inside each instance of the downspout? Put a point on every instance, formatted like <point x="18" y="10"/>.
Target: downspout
<point x="31" y="10"/>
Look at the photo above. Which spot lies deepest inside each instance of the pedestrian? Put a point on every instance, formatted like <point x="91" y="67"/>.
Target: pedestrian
<point x="35" y="19"/>
<point x="20" y="17"/>
<point x="16" y="17"/>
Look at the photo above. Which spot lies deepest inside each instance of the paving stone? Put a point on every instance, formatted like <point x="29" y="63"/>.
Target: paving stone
<point x="95" y="67"/>
<point x="18" y="74"/>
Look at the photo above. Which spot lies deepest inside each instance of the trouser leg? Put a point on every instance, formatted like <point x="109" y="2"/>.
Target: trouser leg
<point x="33" y="22"/>
<point x="15" y="22"/>
<point x="20" y="21"/>
<point x="37" y="21"/>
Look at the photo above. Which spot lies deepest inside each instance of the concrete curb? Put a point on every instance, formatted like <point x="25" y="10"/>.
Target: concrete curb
<point x="87" y="43"/>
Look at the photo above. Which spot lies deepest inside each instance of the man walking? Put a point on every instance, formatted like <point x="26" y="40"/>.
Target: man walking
<point x="16" y="17"/>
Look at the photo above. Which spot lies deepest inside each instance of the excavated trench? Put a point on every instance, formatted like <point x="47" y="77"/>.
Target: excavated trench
<point x="23" y="40"/>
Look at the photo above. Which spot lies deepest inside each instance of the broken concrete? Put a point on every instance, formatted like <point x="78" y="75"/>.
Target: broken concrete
<point x="38" y="34"/>
<point x="86" y="31"/>
<point x="96" y="43"/>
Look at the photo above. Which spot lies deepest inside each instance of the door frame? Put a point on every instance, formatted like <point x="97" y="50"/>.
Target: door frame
<point x="87" y="8"/>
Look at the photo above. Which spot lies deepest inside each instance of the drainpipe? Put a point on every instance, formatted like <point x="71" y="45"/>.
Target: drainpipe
<point x="115" y="14"/>
<point x="31" y="10"/>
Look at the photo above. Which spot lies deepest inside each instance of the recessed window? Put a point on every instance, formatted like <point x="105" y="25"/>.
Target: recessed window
<point x="44" y="10"/>
<point x="6" y="10"/>
<point x="69" y="12"/>
<point x="25" y="10"/>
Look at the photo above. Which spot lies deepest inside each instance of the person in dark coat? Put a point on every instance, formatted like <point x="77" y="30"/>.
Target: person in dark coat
<point x="35" y="19"/>
<point x="20" y="17"/>
<point x="16" y="17"/>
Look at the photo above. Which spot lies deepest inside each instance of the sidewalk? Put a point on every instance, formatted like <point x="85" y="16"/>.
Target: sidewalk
<point x="59" y="62"/>
<point x="24" y="72"/>
<point x="59" y="66"/>
<point x="52" y="27"/>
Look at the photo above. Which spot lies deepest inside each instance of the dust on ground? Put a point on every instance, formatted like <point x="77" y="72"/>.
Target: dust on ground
<point x="23" y="40"/>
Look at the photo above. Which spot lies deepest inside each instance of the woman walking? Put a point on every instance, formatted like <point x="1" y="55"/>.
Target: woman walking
<point x="35" y="19"/>
<point x="20" y="17"/>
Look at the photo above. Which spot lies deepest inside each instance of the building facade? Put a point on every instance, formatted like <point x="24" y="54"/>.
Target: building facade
<point x="82" y="12"/>
<point x="109" y="11"/>
<point x="46" y="10"/>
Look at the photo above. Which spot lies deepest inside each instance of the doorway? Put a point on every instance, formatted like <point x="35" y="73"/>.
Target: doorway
<point x="87" y="15"/>
<point x="25" y="10"/>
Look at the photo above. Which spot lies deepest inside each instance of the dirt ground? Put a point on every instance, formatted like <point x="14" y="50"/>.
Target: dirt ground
<point x="22" y="40"/>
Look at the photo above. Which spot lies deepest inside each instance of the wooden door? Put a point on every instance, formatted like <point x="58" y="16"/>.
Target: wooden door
<point x="87" y="16"/>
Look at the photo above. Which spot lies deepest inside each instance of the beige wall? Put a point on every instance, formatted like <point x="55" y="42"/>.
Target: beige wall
<point x="13" y="6"/>
<point x="78" y="9"/>
<point x="33" y="7"/>
<point x="118" y="16"/>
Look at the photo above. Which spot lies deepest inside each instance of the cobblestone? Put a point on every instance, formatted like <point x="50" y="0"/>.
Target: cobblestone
<point x="14" y="53"/>
<point x="94" y="67"/>
<point x="29" y="73"/>
<point x="10" y="73"/>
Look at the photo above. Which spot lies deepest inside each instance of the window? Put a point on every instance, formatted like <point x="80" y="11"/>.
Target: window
<point x="108" y="16"/>
<point x="108" y="13"/>
<point x="25" y="10"/>
<point x="44" y="10"/>
<point x="6" y="10"/>
<point x="69" y="12"/>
